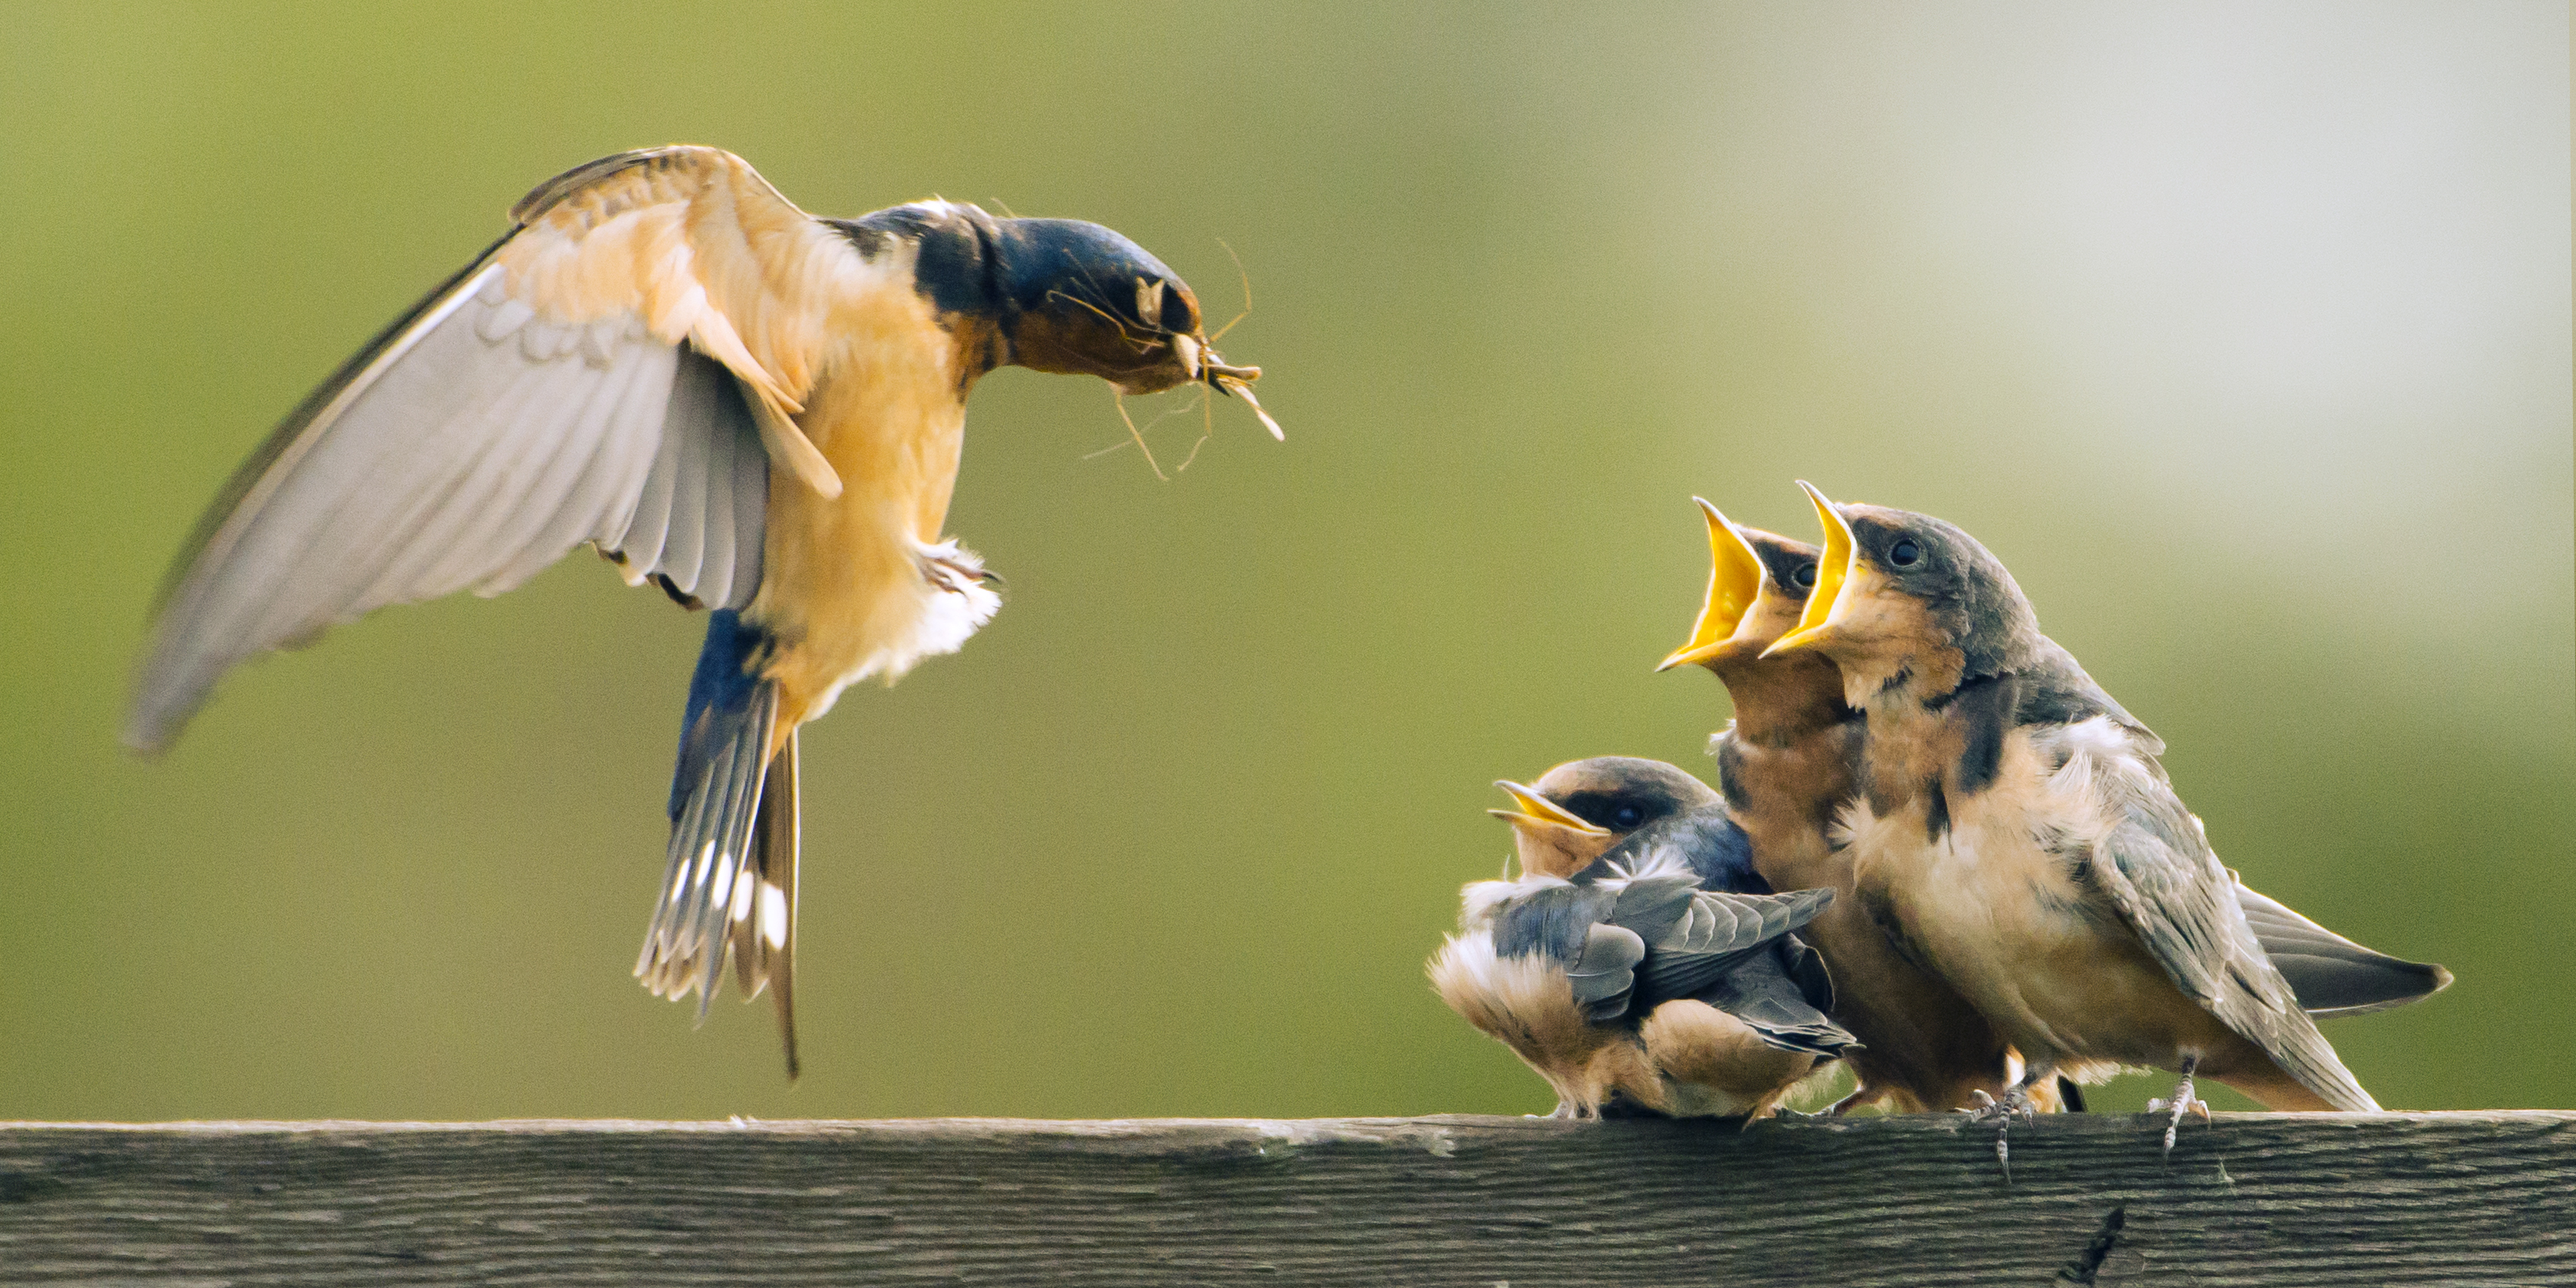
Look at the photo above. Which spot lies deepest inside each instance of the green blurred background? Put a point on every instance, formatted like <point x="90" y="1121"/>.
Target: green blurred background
<point x="2241" y="331"/>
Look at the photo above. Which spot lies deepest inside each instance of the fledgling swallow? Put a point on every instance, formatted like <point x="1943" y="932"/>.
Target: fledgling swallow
<point x="756" y="410"/>
<point x="2017" y="833"/>
<point x="1786" y="767"/>
<point x="1658" y="976"/>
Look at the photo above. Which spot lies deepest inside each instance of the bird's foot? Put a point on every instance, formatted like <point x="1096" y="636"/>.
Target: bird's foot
<point x="2183" y="1102"/>
<point x="951" y="569"/>
<point x="2015" y="1104"/>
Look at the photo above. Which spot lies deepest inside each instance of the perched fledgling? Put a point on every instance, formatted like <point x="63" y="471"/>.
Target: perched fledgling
<point x="1786" y="766"/>
<point x="1659" y="975"/>
<point x="756" y="410"/>
<point x="2016" y="834"/>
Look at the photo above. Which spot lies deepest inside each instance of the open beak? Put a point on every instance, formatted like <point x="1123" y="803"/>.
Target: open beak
<point x="1833" y="572"/>
<point x="1237" y="381"/>
<point x="1734" y="582"/>
<point x="1537" y="811"/>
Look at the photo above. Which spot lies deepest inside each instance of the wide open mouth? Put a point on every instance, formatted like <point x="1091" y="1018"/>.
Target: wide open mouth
<point x="1734" y="582"/>
<point x="1833" y="573"/>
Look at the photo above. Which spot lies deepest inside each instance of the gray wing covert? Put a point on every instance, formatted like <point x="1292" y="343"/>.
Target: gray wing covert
<point x="1694" y="938"/>
<point x="1570" y="925"/>
<point x="472" y="445"/>
<point x="2172" y="891"/>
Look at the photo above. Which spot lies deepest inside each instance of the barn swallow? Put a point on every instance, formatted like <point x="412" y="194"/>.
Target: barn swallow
<point x="1785" y="765"/>
<point x="754" y="409"/>
<point x="2018" y="834"/>
<point x="1661" y="976"/>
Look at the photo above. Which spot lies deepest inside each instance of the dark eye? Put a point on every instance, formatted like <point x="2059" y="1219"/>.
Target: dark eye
<point x="1904" y="554"/>
<point x="1178" y="317"/>
<point x="1627" y="816"/>
<point x="1805" y="576"/>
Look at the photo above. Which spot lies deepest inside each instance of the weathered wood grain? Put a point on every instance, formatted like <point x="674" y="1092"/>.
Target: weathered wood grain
<point x="2485" y="1198"/>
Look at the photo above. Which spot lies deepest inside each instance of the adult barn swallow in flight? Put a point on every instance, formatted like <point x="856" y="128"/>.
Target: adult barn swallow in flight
<point x="1786" y="767"/>
<point x="1654" y="974"/>
<point x="756" y="410"/>
<point x="2018" y="835"/>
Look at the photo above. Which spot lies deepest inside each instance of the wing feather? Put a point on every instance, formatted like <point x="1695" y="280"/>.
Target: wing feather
<point x="2170" y="888"/>
<point x="1767" y="995"/>
<point x="593" y="376"/>
<point x="2332" y="975"/>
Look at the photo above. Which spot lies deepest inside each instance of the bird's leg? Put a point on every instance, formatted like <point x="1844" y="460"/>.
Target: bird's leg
<point x="2183" y="1102"/>
<point x="2016" y="1103"/>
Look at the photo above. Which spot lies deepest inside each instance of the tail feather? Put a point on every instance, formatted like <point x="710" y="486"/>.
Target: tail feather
<point x="729" y="890"/>
<point x="770" y="932"/>
<point x="2331" y="974"/>
<point x="713" y="877"/>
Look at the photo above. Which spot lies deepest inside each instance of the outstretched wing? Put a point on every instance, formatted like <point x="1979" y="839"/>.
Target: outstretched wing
<point x="2160" y="873"/>
<point x="618" y="369"/>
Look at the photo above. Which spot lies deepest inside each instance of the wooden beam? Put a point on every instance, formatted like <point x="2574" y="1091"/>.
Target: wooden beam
<point x="2456" y="1198"/>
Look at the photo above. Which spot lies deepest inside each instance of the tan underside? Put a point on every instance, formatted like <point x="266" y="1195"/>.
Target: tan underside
<point x="705" y="252"/>
<point x="1687" y="1059"/>
<point x="1710" y="1062"/>
<point x="1999" y="915"/>
<point x="842" y="588"/>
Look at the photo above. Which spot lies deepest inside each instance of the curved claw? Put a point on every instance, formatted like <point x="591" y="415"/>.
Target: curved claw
<point x="2016" y="1102"/>
<point x="2183" y="1102"/>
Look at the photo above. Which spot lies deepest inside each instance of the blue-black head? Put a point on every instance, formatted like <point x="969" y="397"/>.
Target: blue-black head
<point x="1062" y="296"/>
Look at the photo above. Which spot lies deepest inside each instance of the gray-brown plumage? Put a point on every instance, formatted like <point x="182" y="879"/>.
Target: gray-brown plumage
<point x="1660" y="976"/>
<point x="2017" y="834"/>
<point x="1788" y="764"/>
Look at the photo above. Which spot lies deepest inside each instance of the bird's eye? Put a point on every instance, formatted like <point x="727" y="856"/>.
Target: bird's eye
<point x="1627" y="816"/>
<point x="1904" y="554"/>
<point x="1805" y="576"/>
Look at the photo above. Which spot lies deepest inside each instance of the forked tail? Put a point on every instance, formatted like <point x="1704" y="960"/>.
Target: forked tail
<point x="730" y="888"/>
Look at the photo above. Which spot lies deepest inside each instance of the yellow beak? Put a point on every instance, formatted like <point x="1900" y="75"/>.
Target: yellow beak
<point x="1538" y="811"/>
<point x="1734" y="581"/>
<point x="1833" y="572"/>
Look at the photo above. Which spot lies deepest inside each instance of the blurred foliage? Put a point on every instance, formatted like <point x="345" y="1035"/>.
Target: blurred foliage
<point x="2240" y="331"/>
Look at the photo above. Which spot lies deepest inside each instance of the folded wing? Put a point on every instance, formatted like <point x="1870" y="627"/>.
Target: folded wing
<point x="2170" y="888"/>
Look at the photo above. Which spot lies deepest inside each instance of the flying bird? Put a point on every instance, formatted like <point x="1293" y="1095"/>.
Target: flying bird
<point x="1659" y="976"/>
<point x="1786" y="765"/>
<point x="756" y="410"/>
<point x="2017" y="834"/>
